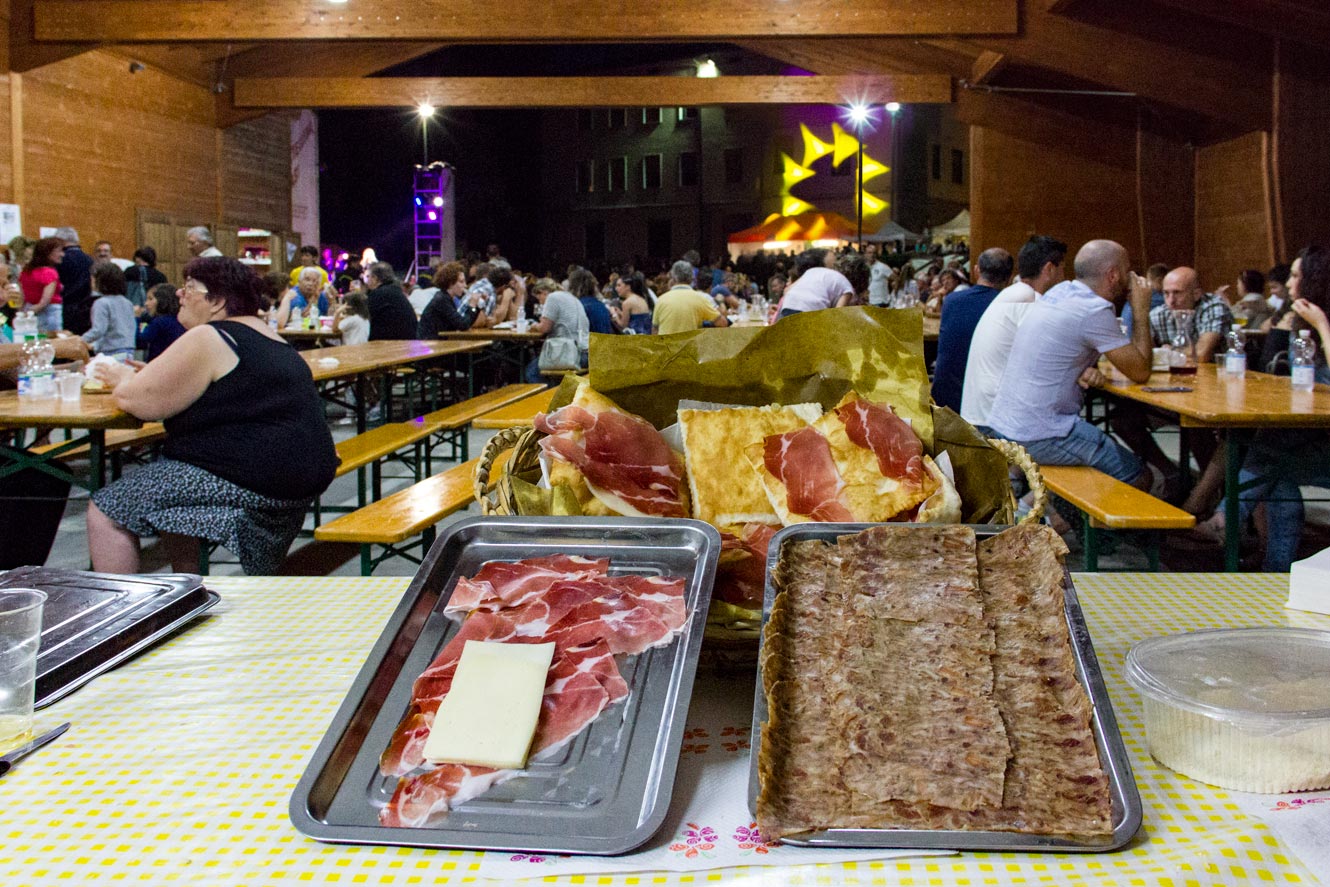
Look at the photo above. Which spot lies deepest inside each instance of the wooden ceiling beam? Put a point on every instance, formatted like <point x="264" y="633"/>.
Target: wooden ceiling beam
<point x="583" y="92"/>
<point x="1304" y="21"/>
<point x="24" y="54"/>
<point x="987" y="66"/>
<point x="1162" y="68"/>
<point x="96" y="21"/>
<point x="867" y="55"/>
<point x="332" y="59"/>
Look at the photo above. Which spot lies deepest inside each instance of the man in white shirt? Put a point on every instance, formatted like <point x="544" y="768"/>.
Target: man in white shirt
<point x="199" y="241"/>
<point x="879" y="277"/>
<point x="1039" y="266"/>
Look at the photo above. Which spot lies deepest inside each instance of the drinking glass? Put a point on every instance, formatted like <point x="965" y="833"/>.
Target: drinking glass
<point x="70" y="385"/>
<point x="20" y="635"/>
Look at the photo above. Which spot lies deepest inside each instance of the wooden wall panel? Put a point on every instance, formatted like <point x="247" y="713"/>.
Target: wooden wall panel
<point x="1232" y="222"/>
<point x="256" y="173"/>
<point x="7" y="133"/>
<point x="1300" y="147"/>
<point x="100" y="142"/>
<point x="1019" y="188"/>
<point x="1166" y="198"/>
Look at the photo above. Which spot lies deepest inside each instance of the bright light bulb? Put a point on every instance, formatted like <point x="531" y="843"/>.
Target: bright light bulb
<point x="858" y="114"/>
<point x="893" y="107"/>
<point x="433" y="216"/>
<point x="438" y="201"/>
<point x="707" y="69"/>
<point x="425" y="109"/>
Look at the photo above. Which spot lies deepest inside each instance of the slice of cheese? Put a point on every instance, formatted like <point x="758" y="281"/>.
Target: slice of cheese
<point x="489" y="716"/>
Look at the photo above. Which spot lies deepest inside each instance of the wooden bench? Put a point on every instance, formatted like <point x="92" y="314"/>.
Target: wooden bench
<point x="118" y="441"/>
<point x="407" y="513"/>
<point x="518" y="413"/>
<point x="374" y="446"/>
<point x="454" y="421"/>
<point x="1108" y="503"/>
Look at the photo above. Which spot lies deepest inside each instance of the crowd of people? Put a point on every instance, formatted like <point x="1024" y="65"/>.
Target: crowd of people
<point x="213" y="358"/>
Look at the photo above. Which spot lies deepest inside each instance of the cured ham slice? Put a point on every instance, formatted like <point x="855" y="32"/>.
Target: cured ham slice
<point x="742" y="572"/>
<point x="801" y="461"/>
<point x="502" y="584"/>
<point x="624" y="460"/>
<point x="876" y="427"/>
<point x="572" y="601"/>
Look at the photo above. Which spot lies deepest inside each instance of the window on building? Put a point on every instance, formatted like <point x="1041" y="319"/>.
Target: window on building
<point x="957" y="166"/>
<point x="651" y="172"/>
<point x="687" y="114"/>
<point x="734" y="166"/>
<point x="584" y="181"/>
<point x="595" y="240"/>
<point x="585" y="116"/>
<point x="616" y="174"/>
<point x="688" y="169"/>
<point x="660" y="238"/>
<point x="651" y="116"/>
<point x="616" y="118"/>
<point x="937" y="162"/>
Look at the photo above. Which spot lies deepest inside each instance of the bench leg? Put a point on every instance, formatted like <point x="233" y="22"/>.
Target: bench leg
<point x="376" y="475"/>
<point x="1091" y="545"/>
<point x="205" y="550"/>
<point x="318" y="510"/>
<point x="1152" y="551"/>
<point x="360" y="486"/>
<point x="366" y="561"/>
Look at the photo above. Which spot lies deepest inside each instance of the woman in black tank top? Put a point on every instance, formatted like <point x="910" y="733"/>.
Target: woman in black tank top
<point x="247" y="446"/>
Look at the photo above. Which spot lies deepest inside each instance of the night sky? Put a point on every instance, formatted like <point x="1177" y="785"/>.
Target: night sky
<point x="366" y="158"/>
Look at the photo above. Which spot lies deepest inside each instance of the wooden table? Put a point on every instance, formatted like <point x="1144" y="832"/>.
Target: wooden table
<point x="359" y="362"/>
<point x="1233" y="407"/>
<point x="519" y="413"/>
<point x="302" y="337"/>
<point x="180" y="763"/>
<point x="92" y="413"/>
<point x="505" y="347"/>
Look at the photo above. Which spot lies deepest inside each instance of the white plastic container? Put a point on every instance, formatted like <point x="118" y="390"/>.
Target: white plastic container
<point x="1246" y="709"/>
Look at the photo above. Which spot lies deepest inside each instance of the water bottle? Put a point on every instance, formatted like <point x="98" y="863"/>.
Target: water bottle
<point x="1304" y="361"/>
<point x="272" y="318"/>
<point x="1235" y="359"/>
<point x="43" y="368"/>
<point x="26" y="360"/>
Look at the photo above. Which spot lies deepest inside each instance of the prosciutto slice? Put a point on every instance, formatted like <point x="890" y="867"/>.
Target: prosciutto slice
<point x="502" y="584"/>
<point x="619" y="455"/>
<point x="877" y="428"/>
<point x="802" y="461"/>
<point x="589" y="615"/>
<point x="742" y="573"/>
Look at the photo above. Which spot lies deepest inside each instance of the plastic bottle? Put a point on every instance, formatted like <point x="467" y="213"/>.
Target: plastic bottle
<point x="272" y="318"/>
<point x="1304" y="362"/>
<point x="43" y="369"/>
<point x="1235" y="359"/>
<point x="27" y="359"/>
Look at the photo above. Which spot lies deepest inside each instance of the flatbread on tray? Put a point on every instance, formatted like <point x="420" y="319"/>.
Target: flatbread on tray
<point x="916" y="680"/>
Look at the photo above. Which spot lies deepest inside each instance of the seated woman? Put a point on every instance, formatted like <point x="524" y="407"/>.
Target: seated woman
<point x="634" y="311"/>
<point x="1280" y="461"/>
<point x="561" y="317"/>
<point x="163" y="306"/>
<point x="113" y="325"/>
<point x="233" y="397"/>
<point x="943" y="285"/>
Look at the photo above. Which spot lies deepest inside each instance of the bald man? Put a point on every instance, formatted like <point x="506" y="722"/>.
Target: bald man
<point x="1209" y="324"/>
<point x="1054" y="357"/>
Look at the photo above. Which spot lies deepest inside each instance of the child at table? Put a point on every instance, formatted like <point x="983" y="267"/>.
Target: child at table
<point x="351" y="320"/>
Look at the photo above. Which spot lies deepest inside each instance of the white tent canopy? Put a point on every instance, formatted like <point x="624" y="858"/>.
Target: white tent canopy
<point x="957" y="227"/>
<point x="892" y="232"/>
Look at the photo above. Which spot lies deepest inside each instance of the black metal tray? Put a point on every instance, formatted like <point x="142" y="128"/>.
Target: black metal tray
<point x="1127" y="811"/>
<point x="608" y="791"/>
<point x="92" y="622"/>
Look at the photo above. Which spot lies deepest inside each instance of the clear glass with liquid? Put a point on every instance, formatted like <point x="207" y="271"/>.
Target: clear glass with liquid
<point x="20" y="636"/>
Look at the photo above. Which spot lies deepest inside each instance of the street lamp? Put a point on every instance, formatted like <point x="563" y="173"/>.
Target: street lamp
<point x="426" y="111"/>
<point x="860" y="114"/>
<point x="894" y="109"/>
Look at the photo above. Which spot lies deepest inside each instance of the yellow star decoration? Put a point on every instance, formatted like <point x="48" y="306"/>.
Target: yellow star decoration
<point x="842" y="146"/>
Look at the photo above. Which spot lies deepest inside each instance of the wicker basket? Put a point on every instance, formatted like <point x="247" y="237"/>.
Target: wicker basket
<point x="729" y="627"/>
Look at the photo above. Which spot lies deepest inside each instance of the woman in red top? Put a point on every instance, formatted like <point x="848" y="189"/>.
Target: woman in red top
<point x="41" y="284"/>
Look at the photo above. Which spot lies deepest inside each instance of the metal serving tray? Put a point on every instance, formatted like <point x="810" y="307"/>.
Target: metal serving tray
<point x="609" y="789"/>
<point x="92" y="622"/>
<point x="1127" y="811"/>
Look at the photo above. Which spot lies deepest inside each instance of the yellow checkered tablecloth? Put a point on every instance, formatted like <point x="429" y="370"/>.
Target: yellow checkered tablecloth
<point x="179" y="766"/>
